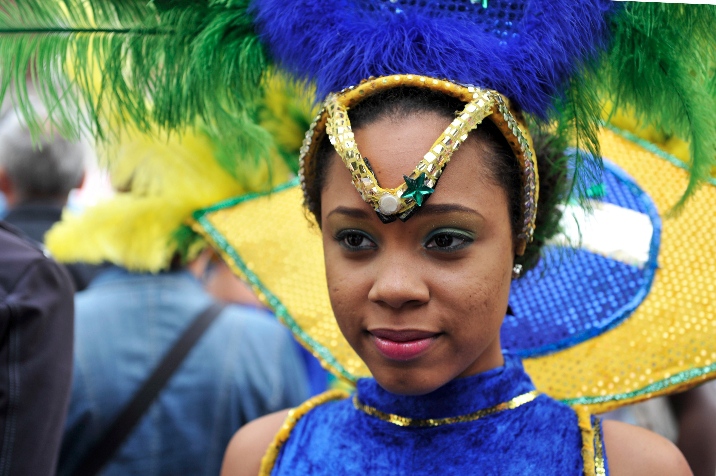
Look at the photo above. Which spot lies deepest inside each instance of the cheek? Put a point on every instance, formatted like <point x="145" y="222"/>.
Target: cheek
<point x="480" y="319"/>
<point x="343" y="292"/>
<point x="347" y="313"/>
<point x="480" y="288"/>
<point x="493" y="305"/>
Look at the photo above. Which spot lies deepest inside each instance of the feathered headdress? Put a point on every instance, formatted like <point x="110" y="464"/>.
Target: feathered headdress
<point x="165" y="63"/>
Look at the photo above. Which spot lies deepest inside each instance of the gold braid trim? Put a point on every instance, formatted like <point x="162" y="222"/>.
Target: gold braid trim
<point x="269" y="459"/>
<point x="398" y="420"/>
<point x="599" y="460"/>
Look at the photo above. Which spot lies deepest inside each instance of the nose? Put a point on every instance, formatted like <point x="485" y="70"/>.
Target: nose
<point x="399" y="282"/>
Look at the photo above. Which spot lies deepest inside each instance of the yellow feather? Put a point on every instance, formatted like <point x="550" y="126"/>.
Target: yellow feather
<point x="161" y="179"/>
<point x="160" y="183"/>
<point x="288" y="110"/>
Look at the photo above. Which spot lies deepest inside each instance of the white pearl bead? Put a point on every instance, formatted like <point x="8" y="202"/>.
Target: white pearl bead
<point x="388" y="204"/>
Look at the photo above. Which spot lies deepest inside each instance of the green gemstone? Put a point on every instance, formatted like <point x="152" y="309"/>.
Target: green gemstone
<point x="417" y="190"/>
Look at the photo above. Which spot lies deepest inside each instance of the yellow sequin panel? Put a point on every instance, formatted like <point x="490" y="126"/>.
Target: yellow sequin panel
<point x="269" y="459"/>
<point x="669" y="343"/>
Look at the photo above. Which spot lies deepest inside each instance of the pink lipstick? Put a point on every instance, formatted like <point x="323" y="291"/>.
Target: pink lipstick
<point x="402" y="344"/>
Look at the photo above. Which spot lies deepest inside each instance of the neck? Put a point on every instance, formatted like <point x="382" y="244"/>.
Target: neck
<point x="458" y="397"/>
<point x="55" y="200"/>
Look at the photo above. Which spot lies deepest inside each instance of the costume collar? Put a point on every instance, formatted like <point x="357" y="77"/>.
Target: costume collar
<point x="456" y="398"/>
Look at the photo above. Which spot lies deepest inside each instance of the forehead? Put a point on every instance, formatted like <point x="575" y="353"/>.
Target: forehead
<point x="395" y="145"/>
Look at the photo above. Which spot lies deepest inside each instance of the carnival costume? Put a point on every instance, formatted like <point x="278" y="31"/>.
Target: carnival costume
<point x="470" y="423"/>
<point x="517" y="64"/>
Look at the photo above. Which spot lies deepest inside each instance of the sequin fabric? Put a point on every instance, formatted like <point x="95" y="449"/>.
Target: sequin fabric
<point x="268" y="241"/>
<point x="496" y="17"/>
<point x="667" y="344"/>
<point x="292" y="418"/>
<point x="549" y="309"/>
<point x="600" y="459"/>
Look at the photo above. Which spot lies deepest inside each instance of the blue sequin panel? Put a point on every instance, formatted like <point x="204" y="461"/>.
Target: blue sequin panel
<point x="498" y="17"/>
<point x="574" y="295"/>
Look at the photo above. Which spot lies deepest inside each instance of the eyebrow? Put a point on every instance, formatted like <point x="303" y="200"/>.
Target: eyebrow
<point x="440" y="208"/>
<point x="351" y="212"/>
<point x="427" y="209"/>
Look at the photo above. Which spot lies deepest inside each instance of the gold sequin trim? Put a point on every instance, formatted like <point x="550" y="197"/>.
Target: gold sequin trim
<point x="340" y="132"/>
<point x="432" y="422"/>
<point x="269" y="459"/>
<point x="481" y="104"/>
<point x="599" y="462"/>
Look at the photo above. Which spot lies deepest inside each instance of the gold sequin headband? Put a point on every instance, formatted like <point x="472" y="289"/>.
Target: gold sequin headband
<point x="402" y="201"/>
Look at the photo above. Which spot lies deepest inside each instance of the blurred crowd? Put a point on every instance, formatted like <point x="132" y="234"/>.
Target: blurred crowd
<point x="119" y="371"/>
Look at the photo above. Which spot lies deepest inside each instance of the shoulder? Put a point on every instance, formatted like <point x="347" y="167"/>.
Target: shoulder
<point x="249" y="444"/>
<point x="256" y="439"/>
<point x="31" y="279"/>
<point x="634" y="451"/>
<point x="18" y="255"/>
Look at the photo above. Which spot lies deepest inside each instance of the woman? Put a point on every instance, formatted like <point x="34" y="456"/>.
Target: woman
<point x="421" y="301"/>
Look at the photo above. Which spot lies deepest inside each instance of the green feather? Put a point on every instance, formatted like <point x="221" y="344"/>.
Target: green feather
<point x="155" y="62"/>
<point x="578" y="123"/>
<point x="661" y="65"/>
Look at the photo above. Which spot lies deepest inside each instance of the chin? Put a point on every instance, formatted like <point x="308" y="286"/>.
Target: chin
<point x="403" y="381"/>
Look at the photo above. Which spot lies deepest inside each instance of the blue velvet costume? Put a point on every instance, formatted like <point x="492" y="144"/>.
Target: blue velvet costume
<point x="542" y="436"/>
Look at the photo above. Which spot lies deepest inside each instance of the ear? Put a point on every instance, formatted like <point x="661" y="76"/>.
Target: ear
<point x="6" y="186"/>
<point x="81" y="181"/>
<point x="200" y="265"/>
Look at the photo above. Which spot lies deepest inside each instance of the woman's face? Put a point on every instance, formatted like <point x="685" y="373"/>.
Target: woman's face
<point x="421" y="302"/>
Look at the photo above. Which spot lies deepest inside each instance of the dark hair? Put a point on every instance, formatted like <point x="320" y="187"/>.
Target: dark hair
<point x="502" y="163"/>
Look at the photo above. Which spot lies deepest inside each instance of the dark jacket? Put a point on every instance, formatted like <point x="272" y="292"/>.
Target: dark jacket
<point x="34" y="219"/>
<point x="36" y="335"/>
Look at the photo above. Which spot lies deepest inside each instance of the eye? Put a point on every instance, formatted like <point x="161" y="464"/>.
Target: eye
<point x="355" y="240"/>
<point x="448" y="240"/>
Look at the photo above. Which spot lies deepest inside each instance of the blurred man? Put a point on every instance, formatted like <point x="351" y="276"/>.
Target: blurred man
<point x="36" y="179"/>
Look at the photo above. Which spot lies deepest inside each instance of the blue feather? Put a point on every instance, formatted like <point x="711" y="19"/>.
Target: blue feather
<point x="524" y="49"/>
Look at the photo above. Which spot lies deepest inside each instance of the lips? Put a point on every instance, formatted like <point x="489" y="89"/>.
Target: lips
<point x="402" y="344"/>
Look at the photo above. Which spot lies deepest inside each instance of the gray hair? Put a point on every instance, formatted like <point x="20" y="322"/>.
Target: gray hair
<point x="48" y="166"/>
